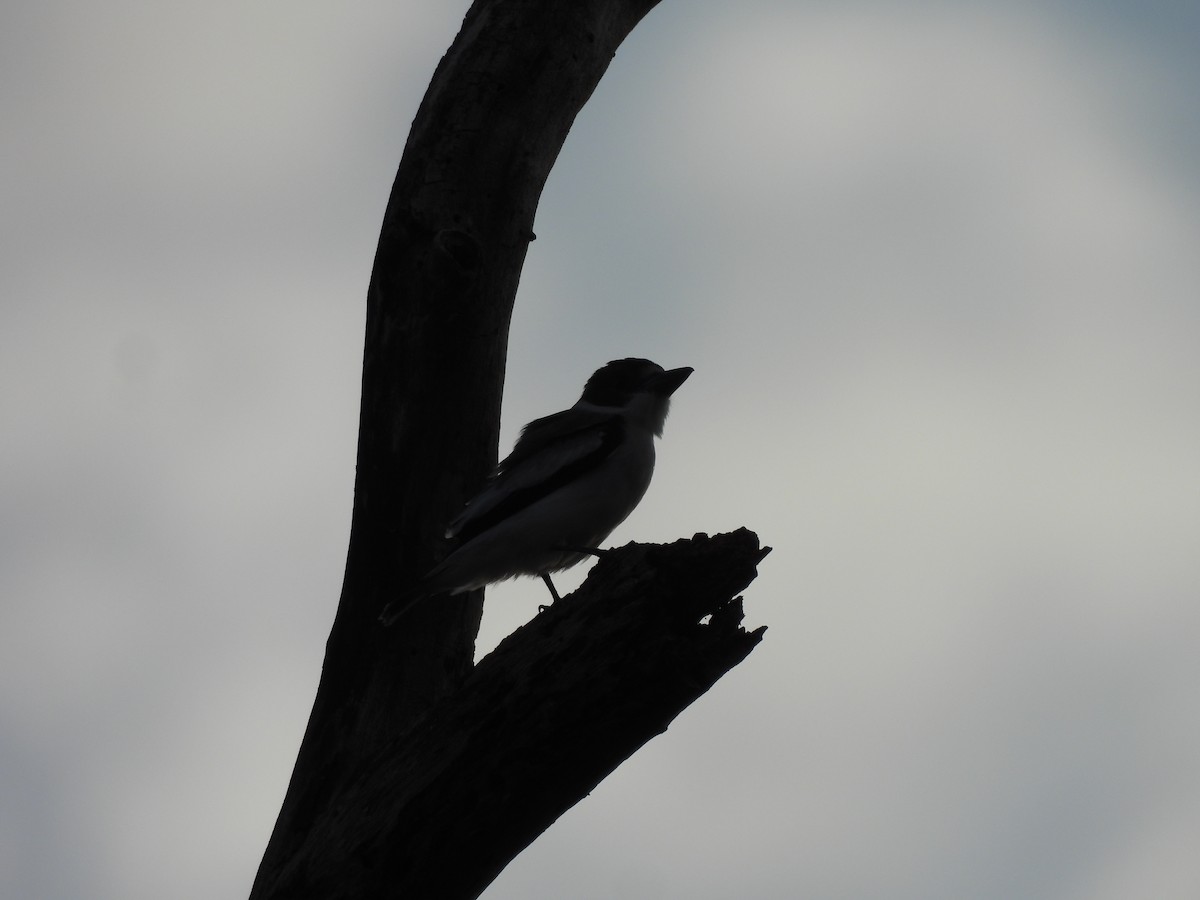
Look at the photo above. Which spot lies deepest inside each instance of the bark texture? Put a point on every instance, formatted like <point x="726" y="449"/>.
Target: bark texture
<point x="379" y="803"/>
<point x="441" y="809"/>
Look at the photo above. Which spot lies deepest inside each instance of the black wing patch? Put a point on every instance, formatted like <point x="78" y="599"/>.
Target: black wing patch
<point x="580" y="448"/>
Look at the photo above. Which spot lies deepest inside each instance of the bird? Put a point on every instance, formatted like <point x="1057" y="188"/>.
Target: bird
<point x="571" y="478"/>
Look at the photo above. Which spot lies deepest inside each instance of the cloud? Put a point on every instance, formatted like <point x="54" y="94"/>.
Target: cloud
<point x="935" y="269"/>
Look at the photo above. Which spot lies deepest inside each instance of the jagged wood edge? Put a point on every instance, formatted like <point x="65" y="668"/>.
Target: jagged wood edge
<point x="555" y="708"/>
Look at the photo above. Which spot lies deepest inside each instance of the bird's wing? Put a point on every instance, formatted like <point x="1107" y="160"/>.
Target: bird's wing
<point x="549" y="453"/>
<point x="552" y="431"/>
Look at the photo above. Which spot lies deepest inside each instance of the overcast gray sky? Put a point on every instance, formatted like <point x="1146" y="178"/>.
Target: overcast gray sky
<point x="937" y="267"/>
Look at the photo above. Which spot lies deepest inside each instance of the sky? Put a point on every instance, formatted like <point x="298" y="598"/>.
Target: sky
<point x="936" y="267"/>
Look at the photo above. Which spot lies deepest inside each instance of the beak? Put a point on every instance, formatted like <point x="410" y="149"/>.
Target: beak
<point x="666" y="383"/>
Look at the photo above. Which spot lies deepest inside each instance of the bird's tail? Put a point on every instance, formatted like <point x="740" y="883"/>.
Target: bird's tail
<point x="399" y="607"/>
<point x="433" y="582"/>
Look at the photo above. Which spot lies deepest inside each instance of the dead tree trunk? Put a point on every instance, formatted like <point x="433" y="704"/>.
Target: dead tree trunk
<point x="420" y="775"/>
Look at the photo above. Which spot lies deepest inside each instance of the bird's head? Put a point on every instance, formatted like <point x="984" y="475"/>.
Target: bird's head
<point x="638" y="387"/>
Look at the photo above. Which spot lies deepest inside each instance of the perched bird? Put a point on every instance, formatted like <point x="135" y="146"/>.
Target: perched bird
<point x="570" y="480"/>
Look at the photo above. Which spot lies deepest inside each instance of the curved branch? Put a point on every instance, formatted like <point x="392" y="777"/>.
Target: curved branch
<point x="380" y="794"/>
<point x="556" y="707"/>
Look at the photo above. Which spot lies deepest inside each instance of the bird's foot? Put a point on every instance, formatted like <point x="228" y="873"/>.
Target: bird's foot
<point x="553" y="592"/>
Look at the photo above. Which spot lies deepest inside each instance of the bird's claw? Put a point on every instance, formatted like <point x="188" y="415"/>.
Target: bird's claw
<point x="553" y="592"/>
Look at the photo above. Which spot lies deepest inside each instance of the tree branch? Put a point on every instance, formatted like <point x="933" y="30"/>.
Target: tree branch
<point x="369" y="792"/>
<point x="557" y="706"/>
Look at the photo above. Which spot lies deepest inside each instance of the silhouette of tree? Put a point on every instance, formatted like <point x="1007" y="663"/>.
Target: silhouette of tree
<point x="422" y="775"/>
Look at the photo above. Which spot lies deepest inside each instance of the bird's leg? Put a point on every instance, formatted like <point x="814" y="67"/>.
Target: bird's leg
<point x="553" y="592"/>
